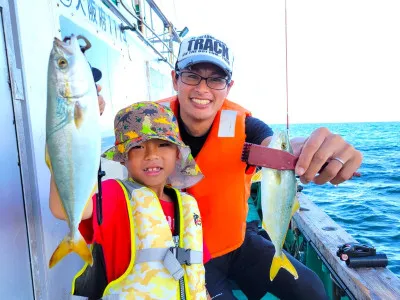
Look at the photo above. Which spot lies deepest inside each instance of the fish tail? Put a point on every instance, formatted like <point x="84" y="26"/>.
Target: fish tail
<point x="281" y="262"/>
<point x="67" y="246"/>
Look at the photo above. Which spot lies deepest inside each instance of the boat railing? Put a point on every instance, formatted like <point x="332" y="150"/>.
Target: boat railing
<point x="317" y="237"/>
<point x="159" y="33"/>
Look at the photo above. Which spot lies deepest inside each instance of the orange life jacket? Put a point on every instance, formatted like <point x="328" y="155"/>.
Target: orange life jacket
<point x="222" y="195"/>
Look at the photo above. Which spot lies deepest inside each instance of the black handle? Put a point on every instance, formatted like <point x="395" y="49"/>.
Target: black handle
<point x="99" y="196"/>
<point x="376" y="261"/>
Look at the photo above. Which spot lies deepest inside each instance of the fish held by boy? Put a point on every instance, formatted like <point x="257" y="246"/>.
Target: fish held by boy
<point x="278" y="204"/>
<point x="73" y="139"/>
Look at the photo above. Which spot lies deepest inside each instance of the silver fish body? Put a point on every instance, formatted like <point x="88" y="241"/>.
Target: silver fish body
<point x="73" y="138"/>
<point x="278" y="203"/>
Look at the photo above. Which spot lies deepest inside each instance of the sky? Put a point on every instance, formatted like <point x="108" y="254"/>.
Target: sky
<point x="343" y="56"/>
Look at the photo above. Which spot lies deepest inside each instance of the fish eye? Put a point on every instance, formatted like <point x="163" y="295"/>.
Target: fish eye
<point x="62" y="62"/>
<point x="284" y="146"/>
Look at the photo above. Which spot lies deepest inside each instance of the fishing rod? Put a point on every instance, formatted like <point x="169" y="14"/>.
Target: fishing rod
<point x="355" y="174"/>
<point x="335" y="277"/>
<point x="287" y="77"/>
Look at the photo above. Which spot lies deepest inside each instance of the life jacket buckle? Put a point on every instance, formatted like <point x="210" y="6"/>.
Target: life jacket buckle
<point x="182" y="255"/>
<point x="172" y="264"/>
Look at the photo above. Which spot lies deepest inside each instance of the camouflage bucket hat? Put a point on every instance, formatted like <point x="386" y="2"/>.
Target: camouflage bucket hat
<point x="144" y="121"/>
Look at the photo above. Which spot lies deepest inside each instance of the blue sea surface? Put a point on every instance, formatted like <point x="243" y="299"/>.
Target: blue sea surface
<point x="367" y="207"/>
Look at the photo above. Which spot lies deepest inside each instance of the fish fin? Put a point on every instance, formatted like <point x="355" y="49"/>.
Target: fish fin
<point x="296" y="205"/>
<point x="47" y="159"/>
<point x="78" y="115"/>
<point x="67" y="246"/>
<point x="278" y="177"/>
<point x="256" y="177"/>
<point x="281" y="262"/>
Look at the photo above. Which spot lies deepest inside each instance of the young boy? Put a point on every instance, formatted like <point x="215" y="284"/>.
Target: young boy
<point x="143" y="231"/>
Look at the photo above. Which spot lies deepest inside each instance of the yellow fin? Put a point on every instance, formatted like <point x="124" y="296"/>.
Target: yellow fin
<point x="47" y="159"/>
<point x="281" y="262"/>
<point x="278" y="177"/>
<point x="296" y="205"/>
<point x="67" y="246"/>
<point x="78" y="115"/>
<point x="256" y="177"/>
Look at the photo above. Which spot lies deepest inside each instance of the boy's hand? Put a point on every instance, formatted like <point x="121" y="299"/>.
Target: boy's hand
<point x="102" y="103"/>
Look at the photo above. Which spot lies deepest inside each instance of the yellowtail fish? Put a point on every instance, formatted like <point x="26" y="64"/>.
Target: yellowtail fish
<point x="278" y="204"/>
<point x="73" y="139"/>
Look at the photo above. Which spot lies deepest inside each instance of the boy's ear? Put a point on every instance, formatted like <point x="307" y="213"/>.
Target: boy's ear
<point x="178" y="154"/>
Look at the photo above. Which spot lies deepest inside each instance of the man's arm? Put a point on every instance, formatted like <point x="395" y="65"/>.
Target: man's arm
<point x="266" y="141"/>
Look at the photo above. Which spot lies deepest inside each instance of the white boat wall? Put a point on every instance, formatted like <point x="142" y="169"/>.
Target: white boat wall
<point x="135" y="60"/>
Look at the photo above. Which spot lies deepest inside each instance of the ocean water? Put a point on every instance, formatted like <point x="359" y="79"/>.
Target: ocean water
<point x="367" y="207"/>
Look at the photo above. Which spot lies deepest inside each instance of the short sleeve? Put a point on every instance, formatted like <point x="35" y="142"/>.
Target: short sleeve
<point x="256" y="130"/>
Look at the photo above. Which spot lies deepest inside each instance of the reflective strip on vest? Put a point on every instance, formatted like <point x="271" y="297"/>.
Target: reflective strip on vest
<point x="158" y="254"/>
<point x="227" y="123"/>
<point x="172" y="261"/>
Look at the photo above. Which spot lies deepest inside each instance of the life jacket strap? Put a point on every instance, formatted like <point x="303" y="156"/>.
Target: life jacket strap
<point x="173" y="258"/>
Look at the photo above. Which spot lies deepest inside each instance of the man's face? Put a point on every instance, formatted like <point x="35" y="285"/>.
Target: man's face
<point x="200" y="103"/>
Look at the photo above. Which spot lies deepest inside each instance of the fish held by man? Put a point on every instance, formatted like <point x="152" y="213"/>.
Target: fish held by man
<point x="278" y="204"/>
<point x="73" y="139"/>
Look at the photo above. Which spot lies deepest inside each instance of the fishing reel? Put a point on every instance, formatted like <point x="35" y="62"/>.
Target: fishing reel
<point x="361" y="256"/>
<point x="354" y="250"/>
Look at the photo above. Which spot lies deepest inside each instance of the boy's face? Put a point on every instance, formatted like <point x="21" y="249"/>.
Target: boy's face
<point x="152" y="162"/>
<point x="200" y="102"/>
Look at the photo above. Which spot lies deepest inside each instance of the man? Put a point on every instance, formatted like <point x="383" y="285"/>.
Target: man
<point x="215" y="129"/>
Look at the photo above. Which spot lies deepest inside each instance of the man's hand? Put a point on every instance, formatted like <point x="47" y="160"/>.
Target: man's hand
<point x="320" y="147"/>
<point x="102" y="103"/>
